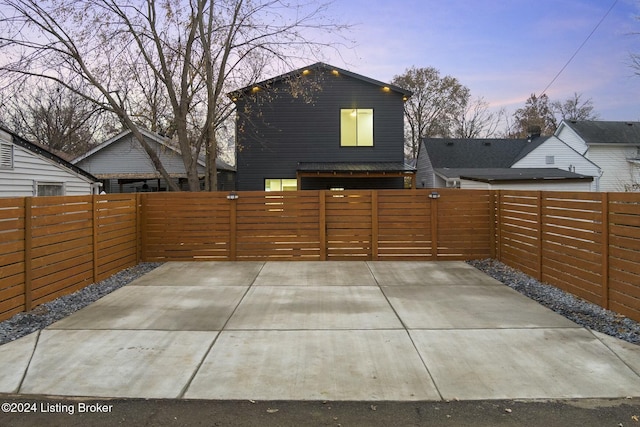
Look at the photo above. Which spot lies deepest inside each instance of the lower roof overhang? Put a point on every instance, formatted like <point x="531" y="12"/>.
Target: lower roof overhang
<point x="356" y="170"/>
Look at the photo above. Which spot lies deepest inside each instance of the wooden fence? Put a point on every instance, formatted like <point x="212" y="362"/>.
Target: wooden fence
<point x="317" y="225"/>
<point x="585" y="243"/>
<point x="52" y="246"/>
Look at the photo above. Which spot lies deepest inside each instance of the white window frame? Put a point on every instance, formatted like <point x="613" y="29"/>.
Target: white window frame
<point x="6" y="155"/>
<point x="550" y="160"/>
<point x="37" y="184"/>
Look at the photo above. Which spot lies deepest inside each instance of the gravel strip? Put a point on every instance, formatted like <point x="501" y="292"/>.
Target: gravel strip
<point x="580" y="311"/>
<point x="573" y="308"/>
<point x="45" y="314"/>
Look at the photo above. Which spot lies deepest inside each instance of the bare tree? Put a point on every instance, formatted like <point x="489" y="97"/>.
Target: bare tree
<point x="536" y="114"/>
<point x="55" y="118"/>
<point x="574" y="109"/>
<point x="432" y="108"/>
<point x="475" y="120"/>
<point x="125" y="54"/>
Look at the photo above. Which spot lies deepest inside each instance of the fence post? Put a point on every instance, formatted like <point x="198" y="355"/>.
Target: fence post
<point x="434" y="228"/>
<point x="499" y="225"/>
<point x="322" y="226"/>
<point x="605" y="250"/>
<point x="137" y="200"/>
<point x="233" y="229"/>
<point x="492" y="223"/>
<point x="28" y="300"/>
<point x="374" y="225"/>
<point x="539" y="237"/>
<point x="94" y="208"/>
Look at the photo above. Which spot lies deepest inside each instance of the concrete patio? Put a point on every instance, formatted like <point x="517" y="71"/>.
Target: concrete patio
<point x="373" y="331"/>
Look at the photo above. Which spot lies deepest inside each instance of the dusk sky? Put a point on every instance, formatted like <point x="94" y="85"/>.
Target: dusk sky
<point x="503" y="50"/>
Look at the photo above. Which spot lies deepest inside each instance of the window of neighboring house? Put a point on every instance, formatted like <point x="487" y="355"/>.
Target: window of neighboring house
<point x="356" y="127"/>
<point x="550" y="160"/>
<point x="278" y="184"/>
<point x="6" y="155"/>
<point x="49" y="188"/>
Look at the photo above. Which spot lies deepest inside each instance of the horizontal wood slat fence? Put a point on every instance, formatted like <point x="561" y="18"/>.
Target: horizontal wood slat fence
<point x="53" y="246"/>
<point x="317" y="225"/>
<point x="585" y="243"/>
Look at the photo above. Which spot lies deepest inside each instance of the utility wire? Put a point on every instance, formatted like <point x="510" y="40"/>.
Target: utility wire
<point x="580" y="47"/>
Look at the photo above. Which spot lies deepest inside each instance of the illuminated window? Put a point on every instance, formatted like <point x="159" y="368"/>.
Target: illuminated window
<point x="280" y="184"/>
<point x="356" y="127"/>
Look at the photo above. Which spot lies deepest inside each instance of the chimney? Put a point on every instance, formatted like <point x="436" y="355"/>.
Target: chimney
<point x="533" y="131"/>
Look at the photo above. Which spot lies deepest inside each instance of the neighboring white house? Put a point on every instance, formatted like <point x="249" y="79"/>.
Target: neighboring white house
<point x="537" y="163"/>
<point x="27" y="170"/>
<point x="613" y="146"/>
<point x="123" y="166"/>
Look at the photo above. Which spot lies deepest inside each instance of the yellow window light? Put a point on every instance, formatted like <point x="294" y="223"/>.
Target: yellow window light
<point x="305" y="72"/>
<point x="255" y="89"/>
<point x="335" y="72"/>
<point x="386" y="89"/>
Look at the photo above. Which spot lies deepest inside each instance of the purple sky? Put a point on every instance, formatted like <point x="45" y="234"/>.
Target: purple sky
<point x="503" y="50"/>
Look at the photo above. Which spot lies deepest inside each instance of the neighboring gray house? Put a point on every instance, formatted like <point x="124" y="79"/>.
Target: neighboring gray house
<point x="124" y="166"/>
<point x="613" y="146"/>
<point x="537" y="163"/>
<point x="320" y="127"/>
<point x="27" y="169"/>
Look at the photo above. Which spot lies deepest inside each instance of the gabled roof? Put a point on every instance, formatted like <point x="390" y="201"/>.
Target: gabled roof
<point x="510" y="174"/>
<point x="604" y="132"/>
<point x="160" y="139"/>
<point x="323" y="67"/>
<point x="478" y="153"/>
<point x="43" y="152"/>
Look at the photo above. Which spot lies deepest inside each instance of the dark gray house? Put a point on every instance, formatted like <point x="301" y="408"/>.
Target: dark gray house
<point x="320" y="127"/>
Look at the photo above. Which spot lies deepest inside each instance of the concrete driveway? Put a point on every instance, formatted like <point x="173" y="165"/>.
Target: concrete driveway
<point x="394" y="331"/>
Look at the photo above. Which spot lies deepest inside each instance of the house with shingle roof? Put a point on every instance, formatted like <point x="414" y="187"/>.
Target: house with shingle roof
<point x="320" y="127"/>
<point x="536" y="163"/>
<point x="613" y="146"/>
<point x="29" y="169"/>
<point x="123" y="166"/>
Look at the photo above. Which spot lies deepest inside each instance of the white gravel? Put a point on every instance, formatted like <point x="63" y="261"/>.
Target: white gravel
<point x="573" y="308"/>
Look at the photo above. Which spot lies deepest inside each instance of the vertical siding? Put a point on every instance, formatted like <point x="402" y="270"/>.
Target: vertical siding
<point x="284" y="129"/>
<point x="29" y="167"/>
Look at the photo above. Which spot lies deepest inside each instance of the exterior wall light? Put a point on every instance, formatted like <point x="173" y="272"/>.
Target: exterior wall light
<point x="434" y="195"/>
<point x="305" y="72"/>
<point x="335" y="72"/>
<point x="232" y="196"/>
<point x="386" y="89"/>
